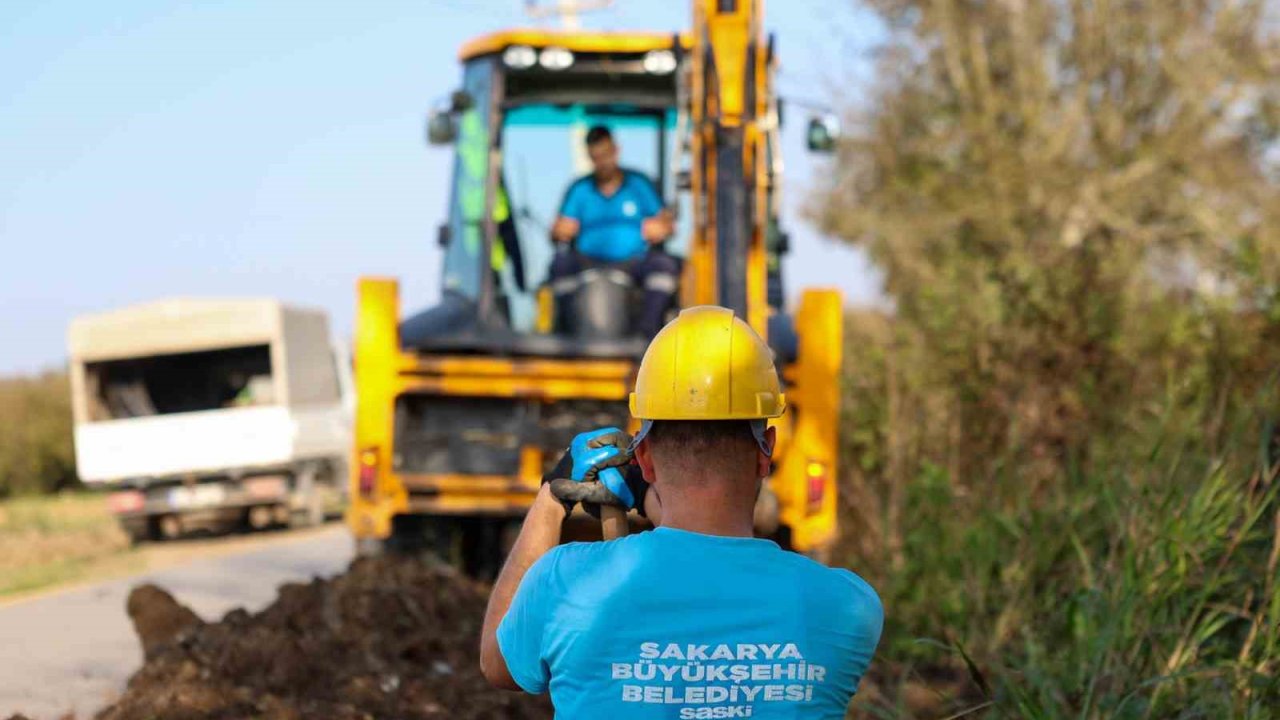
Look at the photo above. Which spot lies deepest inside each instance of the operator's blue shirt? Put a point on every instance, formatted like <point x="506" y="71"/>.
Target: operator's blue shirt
<point x="674" y="624"/>
<point x="610" y="226"/>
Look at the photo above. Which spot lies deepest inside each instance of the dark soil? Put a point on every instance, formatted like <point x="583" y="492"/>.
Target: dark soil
<point x="391" y="638"/>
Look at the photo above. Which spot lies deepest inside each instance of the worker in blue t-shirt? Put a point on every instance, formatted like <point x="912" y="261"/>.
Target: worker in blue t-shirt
<point x="697" y="618"/>
<point x="616" y="216"/>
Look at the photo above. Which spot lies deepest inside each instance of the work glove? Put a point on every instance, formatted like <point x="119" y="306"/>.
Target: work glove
<point x="597" y="470"/>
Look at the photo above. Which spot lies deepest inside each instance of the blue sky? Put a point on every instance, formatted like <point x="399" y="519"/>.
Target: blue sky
<point x="152" y="148"/>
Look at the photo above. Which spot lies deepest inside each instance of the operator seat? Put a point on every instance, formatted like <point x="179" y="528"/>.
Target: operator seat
<point x="605" y="305"/>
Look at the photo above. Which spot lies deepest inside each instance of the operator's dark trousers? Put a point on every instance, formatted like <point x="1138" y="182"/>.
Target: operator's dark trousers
<point x="656" y="272"/>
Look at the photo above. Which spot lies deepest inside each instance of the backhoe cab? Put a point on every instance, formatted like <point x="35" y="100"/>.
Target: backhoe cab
<point x="463" y="407"/>
<point x="517" y="125"/>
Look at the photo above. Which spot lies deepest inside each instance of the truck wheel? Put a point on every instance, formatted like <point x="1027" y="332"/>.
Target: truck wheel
<point x="139" y="530"/>
<point x="170" y="527"/>
<point x="307" y="510"/>
<point x="260" y="517"/>
<point x="485" y="544"/>
<point x="441" y="537"/>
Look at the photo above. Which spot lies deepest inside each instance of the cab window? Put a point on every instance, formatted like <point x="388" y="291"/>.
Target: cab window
<point x="544" y="152"/>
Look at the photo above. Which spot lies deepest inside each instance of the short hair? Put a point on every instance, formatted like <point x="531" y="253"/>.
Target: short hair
<point x="707" y="440"/>
<point x="597" y="134"/>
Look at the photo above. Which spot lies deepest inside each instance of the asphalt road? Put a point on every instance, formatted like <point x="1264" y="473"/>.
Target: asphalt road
<point x="73" y="650"/>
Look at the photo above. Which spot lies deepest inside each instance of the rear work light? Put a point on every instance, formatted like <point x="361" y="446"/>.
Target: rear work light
<point x="816" y="481"/>
<point x="368" y="471"/>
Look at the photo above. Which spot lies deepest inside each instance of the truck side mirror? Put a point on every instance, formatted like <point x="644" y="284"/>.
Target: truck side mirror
<point x="823" y="133"/>
<point x="442" y="129"/>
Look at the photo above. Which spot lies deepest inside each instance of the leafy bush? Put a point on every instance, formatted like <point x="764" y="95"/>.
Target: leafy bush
<point x="1142" y="587"/>
<point x="36" y="452"/>
<point x="1060" y="465"/>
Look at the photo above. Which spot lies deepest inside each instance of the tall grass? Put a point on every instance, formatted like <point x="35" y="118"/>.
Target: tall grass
<point x="1139" y="584"/>
<point x="49" y="539"/>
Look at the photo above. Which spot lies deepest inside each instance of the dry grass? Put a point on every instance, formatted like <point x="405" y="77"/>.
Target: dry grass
<point x="53" y="539"/>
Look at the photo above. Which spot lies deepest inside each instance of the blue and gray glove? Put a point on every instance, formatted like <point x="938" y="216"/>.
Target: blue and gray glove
<point x="597" y="470"/>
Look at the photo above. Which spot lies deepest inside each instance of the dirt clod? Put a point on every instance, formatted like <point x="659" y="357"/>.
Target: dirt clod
<point x="391" y="638"/>
<point x="157" y="618"/>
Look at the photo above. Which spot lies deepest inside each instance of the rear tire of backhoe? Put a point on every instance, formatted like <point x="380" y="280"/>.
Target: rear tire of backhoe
<point x="477" y="546"/>
<point x="418" y="534"/>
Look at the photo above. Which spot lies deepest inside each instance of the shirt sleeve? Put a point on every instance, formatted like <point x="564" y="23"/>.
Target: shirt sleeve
<point x="521" y="632"/>
<point x="571" y="206"/>
<point x="863" y="625"/>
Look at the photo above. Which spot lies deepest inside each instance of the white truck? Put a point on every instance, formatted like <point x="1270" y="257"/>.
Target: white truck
<point x="206" y="413"/>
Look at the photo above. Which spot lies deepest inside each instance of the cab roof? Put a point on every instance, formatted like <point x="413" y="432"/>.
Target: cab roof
<point x="578" y="42"/>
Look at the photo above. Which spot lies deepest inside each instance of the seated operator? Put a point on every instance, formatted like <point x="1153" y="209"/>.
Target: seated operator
<point x="616" y="215"/>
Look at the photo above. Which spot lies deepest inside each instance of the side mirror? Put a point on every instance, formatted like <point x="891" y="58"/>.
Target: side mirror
<point x="442" y="128"/>
<point x="823" y="133"/>
<point x="460" y="101"/>
<point x="442" y="122"/>
<point x="443" y="235"/>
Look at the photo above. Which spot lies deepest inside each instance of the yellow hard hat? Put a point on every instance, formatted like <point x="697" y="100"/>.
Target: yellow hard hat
<point x="707" y="365"/>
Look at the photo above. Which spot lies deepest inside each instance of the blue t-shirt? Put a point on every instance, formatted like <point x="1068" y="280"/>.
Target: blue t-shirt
<point x="610" y="226"/>
<point x="674" y="624"/>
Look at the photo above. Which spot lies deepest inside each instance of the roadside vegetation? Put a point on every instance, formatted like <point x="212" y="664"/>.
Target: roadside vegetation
<point x="36" y="453"/>
<point x="46" y="540"/>
<point x="1061" y="465"/>
<point x="50" y="530"/>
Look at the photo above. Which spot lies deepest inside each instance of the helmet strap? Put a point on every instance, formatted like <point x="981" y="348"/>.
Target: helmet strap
<point x="758" y="429"/>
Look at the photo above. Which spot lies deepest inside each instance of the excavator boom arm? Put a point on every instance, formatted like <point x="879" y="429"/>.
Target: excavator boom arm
<point x="732" y="89"/>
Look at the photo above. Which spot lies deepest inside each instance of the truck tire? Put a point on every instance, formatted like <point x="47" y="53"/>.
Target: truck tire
<point x="139" y="530"/>
<point x="307" y="506"/>
<point x="169" y="527"/>
<point x="419" y="534"/>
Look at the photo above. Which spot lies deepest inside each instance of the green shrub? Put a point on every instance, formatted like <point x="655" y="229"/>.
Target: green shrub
<point x="1142" y="587"/>
<point x="36" y="452"/>
<point x="1059" y="465"/>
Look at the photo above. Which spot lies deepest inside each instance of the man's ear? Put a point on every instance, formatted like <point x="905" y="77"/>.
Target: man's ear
<point x="764" y="463"/>
<point x="644" y="458"/>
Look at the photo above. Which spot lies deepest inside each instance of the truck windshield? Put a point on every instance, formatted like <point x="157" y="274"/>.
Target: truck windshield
<point x="186" y="382"/>
<point x="544" y="152"/>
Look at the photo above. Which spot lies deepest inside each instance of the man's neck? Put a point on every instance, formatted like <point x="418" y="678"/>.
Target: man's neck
<point x="605" y="182"/>
<point x="708" y="513"/>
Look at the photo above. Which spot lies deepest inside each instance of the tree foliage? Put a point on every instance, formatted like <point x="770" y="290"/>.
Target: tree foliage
<point x="1059" y="455"/>
<point x="1069" y="199"/>
<point x="36" y="452"/>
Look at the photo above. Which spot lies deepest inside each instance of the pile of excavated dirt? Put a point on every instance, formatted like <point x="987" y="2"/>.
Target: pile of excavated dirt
<point x="391" y="638"/>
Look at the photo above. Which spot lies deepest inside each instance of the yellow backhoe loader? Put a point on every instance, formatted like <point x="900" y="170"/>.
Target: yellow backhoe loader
<point x="462" y="408"/>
